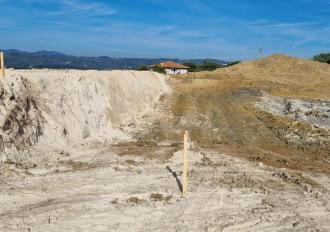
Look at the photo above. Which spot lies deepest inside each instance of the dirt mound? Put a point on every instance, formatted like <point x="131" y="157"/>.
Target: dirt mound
<point x="279" y="75"/>
<point x="57" y="110"/>
<point x="286" y="67"/>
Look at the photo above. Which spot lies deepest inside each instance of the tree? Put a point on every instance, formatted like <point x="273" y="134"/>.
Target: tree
<point x="322" y="57"/>
<point x="192" y="66"/>
<point x="159" y="69"/>
<point x="209" y="66"/>
<point x="233" y="63"/>
<point x="143" y="68"/>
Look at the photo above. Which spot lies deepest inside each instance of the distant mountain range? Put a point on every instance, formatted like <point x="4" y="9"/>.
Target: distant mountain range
<point x="56" y="60"/>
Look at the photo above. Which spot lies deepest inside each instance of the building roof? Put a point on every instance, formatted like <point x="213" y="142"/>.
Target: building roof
<point x="171" y="64"/>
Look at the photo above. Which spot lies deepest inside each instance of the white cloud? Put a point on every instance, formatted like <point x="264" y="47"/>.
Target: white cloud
<point x="282" y="25"/>
<point x="80" y="7"/>
<point x="303" y="41"/>
<point x="77" y="7"/>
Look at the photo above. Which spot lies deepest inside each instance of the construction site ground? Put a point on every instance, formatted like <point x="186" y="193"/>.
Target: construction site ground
<point x="249" y="168"/>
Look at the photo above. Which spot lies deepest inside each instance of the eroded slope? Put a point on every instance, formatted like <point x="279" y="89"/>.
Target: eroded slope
<point x="44" y="111"/>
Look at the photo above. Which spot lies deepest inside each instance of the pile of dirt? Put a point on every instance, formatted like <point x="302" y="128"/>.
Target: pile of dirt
<point x="58" y="110"/>
<point x="281" y="69"/>
<point x="279" y="75"/>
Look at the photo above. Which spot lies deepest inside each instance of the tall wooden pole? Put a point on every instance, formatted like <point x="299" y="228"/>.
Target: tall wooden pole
<point x="185" y="164"/>
<point x="261" y="53"/>
<point x="2" y="58"/>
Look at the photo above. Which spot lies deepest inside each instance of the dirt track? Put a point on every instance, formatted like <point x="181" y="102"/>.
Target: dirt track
<point x="223" y="116"/>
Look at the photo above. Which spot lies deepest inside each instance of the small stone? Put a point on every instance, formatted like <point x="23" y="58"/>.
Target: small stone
<point x="156" y="197"/>
<point x="295" y="224"/>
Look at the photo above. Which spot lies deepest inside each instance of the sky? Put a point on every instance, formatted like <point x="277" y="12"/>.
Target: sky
<point x="229" y="30"/>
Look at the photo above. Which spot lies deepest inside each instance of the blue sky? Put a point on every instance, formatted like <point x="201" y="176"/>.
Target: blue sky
<point x="229" y="30"/>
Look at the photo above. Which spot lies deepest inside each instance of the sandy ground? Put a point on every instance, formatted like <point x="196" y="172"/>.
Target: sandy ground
<point x="107" y="192"/>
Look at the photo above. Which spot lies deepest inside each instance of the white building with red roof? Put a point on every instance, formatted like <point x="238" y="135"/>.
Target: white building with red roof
<point x="172" y="68"/>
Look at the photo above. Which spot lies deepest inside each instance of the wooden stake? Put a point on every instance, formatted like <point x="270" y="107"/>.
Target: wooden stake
<point x="2" y="58"/>
<point x="185" y="164"/>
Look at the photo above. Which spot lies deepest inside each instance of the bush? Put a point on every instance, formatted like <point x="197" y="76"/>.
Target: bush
<point x="158" y="69"/>
<point x="233" y="63"/>
<point x="322" y="57"/>
<point x="205" y="66"/>
<point x="143" y="68"/>
<point x="209" y="66"/>
<point x="192" y="66"/>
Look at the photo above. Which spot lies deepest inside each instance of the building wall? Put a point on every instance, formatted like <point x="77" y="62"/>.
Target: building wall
<point x="175" y="71"/>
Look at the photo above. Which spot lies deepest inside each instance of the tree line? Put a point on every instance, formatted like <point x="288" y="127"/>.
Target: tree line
<point x="194" y="67"/>
<point x="207" y="66"/>
<point x="322" y="57"/>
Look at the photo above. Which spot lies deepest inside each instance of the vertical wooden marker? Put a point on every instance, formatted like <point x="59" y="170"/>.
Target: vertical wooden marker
<point x="2" y="58"/>
<point x="185" y="164"/>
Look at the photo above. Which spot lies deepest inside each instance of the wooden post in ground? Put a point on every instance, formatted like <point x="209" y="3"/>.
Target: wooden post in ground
<point x="2" y="58"/>
<point x="185" y="164"/>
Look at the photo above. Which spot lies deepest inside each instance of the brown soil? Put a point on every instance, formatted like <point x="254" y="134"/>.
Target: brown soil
<point x="277" y="74"/>
<point x="217" y="108"/>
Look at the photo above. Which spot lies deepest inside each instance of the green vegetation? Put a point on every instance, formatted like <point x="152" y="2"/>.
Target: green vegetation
<point x="234" y="63"/>
<point x="143" y="68"/>
<point x="210" y="66"/>
<point x="322" y="57"/>
<point x="205" y="66"/>
<point x="192" y="66"/>
<point x="158" y="69"/>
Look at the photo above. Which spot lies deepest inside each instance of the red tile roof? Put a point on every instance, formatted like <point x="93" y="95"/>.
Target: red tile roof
<point x="171" y="64"/>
